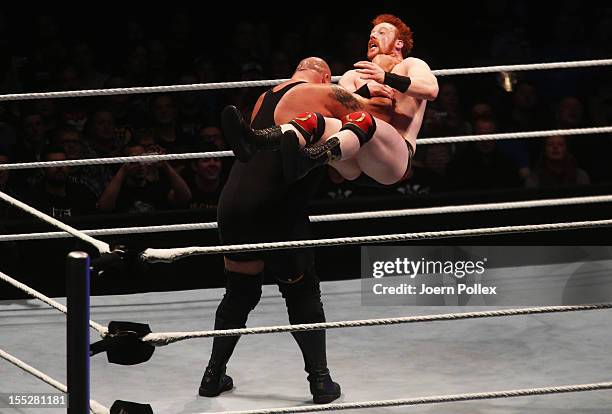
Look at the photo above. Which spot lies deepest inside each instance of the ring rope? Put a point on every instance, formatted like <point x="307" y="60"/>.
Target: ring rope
<point x="515" y="135"/>
<point x="94" y="406"/>
<point x="166" y="338"/>
<point x="117" y="160"/>
<point x="100" y="245"/>
<point x="272" y="82"/>
<point x="222" y="154"/>
<point x="36" y="294"/>
<point x="432" y="400"/>
<point x="170" y="255"/>
<point x="464" y="208"/>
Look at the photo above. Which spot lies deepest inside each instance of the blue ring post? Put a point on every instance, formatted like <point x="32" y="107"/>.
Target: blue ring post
<point x="77" y="340"/>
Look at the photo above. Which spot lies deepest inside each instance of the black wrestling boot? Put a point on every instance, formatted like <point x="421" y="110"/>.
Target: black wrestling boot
<point x="299" y="161"/>
<point x="322" y="388"/>
<point x="214" y="382"/>
<point x="244" y="140"/>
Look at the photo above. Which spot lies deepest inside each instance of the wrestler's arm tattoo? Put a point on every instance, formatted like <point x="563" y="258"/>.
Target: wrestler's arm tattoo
<point x="345" y="98"/>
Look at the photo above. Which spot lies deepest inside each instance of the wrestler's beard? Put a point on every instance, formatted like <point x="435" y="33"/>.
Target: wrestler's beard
<point x="379" y="50"/>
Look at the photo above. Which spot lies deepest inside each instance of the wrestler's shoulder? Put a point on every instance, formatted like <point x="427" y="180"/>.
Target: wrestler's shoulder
<point x="350" y="73"/>
<point x="413" y="61"/>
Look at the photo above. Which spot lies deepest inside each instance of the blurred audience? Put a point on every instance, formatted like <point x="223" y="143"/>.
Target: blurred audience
<point x="58" y="196"/>
<point x="481" y="165"/>
<point x="557" y="167"/>
<point x="175" y="50"/>
<point x="205" y="179"/>
<point x="144" y="187"/>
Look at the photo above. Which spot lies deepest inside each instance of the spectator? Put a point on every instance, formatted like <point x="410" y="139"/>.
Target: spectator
<point x="191" y="109"/>
<point x="105" y="139"/>
<point x="29" y="148"/>
<point x="585" y="148"/>
<point x="207" y="73"/>
<point x="448" y="107"/>
<point x="33" y="138"/>
<point x="525" y="113"/>
<point x="212" y="134"/>
<point x="142" y="187"/>
<point x="557" y="167"/>
<point x="482" y="166"/>
<point x="57" y="196"/>
<point x="205" y="180"/>
<point x="73" y="114"/>
<point x="166" y="129"/>
<point x="94" y="177"/>
<point x="128" y="110"/>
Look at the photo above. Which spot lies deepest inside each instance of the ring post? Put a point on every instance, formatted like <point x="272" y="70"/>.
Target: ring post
<point x="77" y="340"/>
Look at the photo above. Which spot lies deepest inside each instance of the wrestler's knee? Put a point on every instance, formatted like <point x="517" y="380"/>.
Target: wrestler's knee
<point x="361" y="124"/>
<point x="252" y="267"/>
<point x="303" y="298"/>
<point x="311" y="125"/>
<point x="242" y="294"/>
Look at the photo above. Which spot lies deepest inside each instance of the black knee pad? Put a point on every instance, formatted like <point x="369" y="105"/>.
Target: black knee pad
<point x="242" y="294"/>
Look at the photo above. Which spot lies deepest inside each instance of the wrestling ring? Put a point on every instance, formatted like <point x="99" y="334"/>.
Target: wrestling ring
<point x="436" y="364"/>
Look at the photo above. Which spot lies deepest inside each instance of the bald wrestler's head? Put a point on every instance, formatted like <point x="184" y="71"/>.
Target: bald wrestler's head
<point x="313" y="69"/>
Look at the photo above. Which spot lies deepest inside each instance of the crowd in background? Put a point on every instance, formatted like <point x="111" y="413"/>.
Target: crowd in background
<point x="50" y="54"/>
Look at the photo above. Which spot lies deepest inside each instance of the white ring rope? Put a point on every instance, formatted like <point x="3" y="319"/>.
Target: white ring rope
<point x="465" y="208"/>
<point x="94" y="406"/>
<point x="166" y="338"/>
<point x="117" y="160"/>
<point x="272" y="82"/>
<point x="515" y="135"/>
<point x="100" y="245"/>
<point x="36" y="294"/>
<point x="524" y="67"/>
<point x="431" y="400"/>
<point x="221" y="154"/>
<point x="170" y="255"/>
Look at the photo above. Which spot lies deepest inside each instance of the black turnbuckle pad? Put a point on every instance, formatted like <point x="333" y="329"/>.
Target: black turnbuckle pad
<point x="113" y="262"/>
<point x="128" y="407"/>
<point x="123" y="344"/>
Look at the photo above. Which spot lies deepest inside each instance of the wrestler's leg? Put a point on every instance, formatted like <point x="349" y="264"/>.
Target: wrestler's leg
<point x="356" y="130"/>
<point x="385" y="157"/>
<point x="242" y="293"/>
<point x="348" y="166"/>
<point x="299" y="285"/>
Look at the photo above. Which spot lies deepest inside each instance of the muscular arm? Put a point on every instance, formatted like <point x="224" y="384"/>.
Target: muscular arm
<point x="349" y="81"/>
<point x="424" y="84"/>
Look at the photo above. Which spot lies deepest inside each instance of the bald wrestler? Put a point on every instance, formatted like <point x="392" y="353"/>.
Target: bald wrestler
<point x="258" y="205"/>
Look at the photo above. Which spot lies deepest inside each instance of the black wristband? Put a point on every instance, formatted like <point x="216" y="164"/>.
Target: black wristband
<point x="364" y="91"/>
<point x="399" y="82"/>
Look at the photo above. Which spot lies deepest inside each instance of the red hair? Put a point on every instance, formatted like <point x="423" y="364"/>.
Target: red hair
<point x="403" y="32"/>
